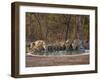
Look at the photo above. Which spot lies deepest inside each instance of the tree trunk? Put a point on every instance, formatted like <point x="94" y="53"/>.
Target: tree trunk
<point x="67" y="26"/>
<point x="80" y="32"/>
<point x="37" y="17"/>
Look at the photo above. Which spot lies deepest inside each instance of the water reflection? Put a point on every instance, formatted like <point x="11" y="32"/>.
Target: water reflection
<point x="60" y="52"/>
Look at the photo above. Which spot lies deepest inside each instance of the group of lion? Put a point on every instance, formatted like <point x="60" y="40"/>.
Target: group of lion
<point x="41" y="45"/>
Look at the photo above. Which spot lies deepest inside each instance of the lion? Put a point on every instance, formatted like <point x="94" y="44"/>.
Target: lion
<point x="38" y="46"/>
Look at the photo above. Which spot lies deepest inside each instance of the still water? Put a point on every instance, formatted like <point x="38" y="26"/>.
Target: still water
<point x="61" y="52"/>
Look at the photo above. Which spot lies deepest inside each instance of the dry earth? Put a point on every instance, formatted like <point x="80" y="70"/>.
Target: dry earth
<point x="34" y="61"/>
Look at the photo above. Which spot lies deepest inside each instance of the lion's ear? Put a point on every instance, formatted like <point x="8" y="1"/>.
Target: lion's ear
<point x="32" y="44"/>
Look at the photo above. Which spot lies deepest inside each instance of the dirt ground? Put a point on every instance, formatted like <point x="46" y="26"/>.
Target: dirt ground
<point x="37" y="61"/>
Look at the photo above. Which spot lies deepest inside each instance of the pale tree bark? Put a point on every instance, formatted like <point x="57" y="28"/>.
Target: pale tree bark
<point x="79" y="27"/>
<point x="80" y="31"/>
